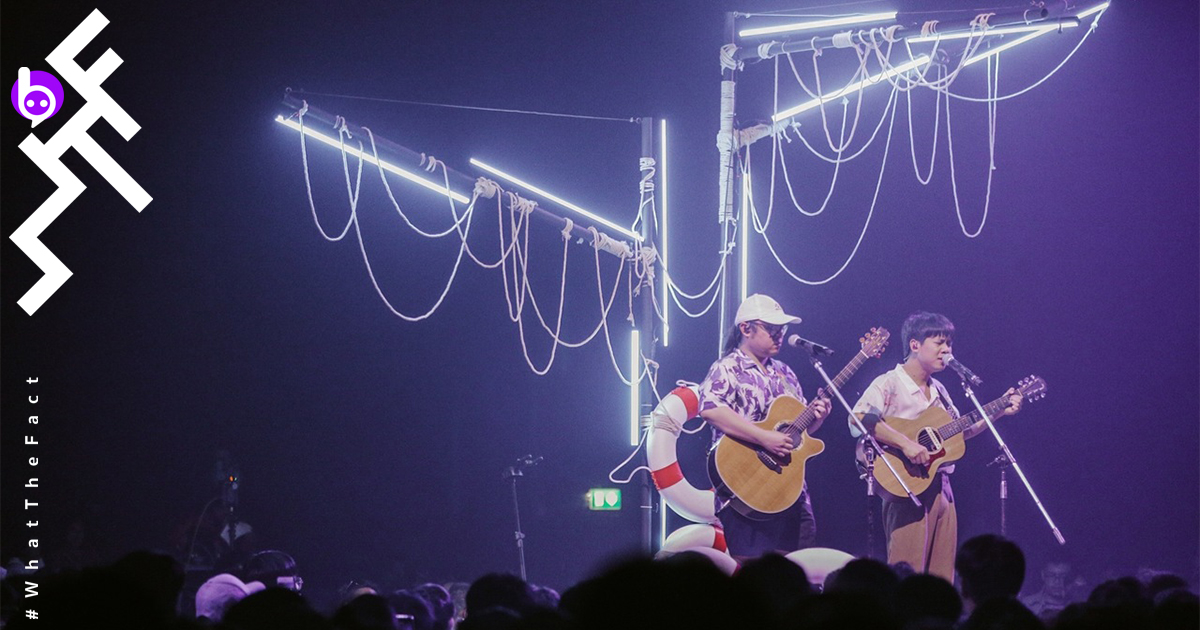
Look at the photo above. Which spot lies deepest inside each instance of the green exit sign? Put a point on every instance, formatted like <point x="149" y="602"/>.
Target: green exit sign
<point x="604" y="499"/>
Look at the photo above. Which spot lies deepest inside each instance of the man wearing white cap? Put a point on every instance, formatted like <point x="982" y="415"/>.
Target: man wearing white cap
<point x="738" y="392"/>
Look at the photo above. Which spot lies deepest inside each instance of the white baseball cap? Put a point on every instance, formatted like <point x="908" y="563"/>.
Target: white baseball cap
<point x="762" y="308"/>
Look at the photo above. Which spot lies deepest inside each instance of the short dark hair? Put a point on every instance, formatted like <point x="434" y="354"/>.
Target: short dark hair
<point x="922" y="325"/>
<point x="991" y="567"/>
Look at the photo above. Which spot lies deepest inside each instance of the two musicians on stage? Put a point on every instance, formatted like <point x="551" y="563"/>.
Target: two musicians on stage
<point x="741" y="386"/>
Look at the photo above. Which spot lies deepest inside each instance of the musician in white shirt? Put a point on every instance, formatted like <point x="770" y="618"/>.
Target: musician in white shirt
<point x="926" y="537"/>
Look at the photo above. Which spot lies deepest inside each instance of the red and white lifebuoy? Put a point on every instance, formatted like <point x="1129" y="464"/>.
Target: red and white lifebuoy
<point x="667" y="420"/>
<point x="707" y="540"/>
<point x="692" y="536"/>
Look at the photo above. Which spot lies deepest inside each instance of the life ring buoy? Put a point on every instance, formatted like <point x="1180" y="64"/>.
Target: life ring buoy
<point x="722" y="560"/>
<point x="688" y="501"/>
<point x="689" y="537"/>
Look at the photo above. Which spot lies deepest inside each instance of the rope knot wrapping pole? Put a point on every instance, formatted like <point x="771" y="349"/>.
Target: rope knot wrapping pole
<point x="981" y="21"/>
<point x="729" y="60"/>
<point x="520" y="204"/>
<point x="929" y="28"/>
<point x="339" y="125"/>
<point x="303" y="109"/>
<point x="430" y="163"/>
<point x="486" y="188"/>
<point x="889" y="33"/>
<point x="566" y="231"/>
<point x="646" y="165"/>
<point x="842" y="40"/>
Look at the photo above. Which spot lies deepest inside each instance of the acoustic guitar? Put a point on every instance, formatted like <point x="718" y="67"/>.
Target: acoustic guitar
<point x="757" y="483"/>
<point x="941" y="435"/>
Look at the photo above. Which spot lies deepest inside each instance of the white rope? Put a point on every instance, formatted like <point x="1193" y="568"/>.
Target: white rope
<point x="612" y="475"/>
<point x="562" y="298"/>
<point x="993" y="81"/>
<point x="870" y="214"/>
<point x="729" y="59"/>
<point x="912" y="142"/>
<point x="312" y="206"/>
<point x="1078" y="45"/>
<point x="383" y="178"/>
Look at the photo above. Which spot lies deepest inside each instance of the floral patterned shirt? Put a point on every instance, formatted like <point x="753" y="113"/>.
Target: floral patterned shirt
<point x="738" y="382"/>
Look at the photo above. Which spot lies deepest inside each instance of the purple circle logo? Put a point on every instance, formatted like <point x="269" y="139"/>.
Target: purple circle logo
<point x="37" y="95"/>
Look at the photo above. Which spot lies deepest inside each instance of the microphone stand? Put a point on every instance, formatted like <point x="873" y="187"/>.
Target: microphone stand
<point x="512" y="473"/>
<point x="1003" y="462"/>
<point x="816" y="363"/>
<point x="1006" y="453"/>
<point x="869" y="476"/>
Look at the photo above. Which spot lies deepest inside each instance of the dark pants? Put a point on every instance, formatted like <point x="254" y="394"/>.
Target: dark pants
<point x="785" y="532"/>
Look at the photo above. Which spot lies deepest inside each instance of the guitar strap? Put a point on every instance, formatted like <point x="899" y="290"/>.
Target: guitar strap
<point x="943" y="399"/>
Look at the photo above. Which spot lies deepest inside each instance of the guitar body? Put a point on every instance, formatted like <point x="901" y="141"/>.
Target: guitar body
<point x="922" y="430"/>
<point x="756" y="483"/>
<point x="941" y="435"/>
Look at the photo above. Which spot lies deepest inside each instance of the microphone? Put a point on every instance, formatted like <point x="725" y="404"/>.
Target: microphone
<point x="967" y="375"/>
<point x="528" y="460"/>
<point x="796" y="341"/>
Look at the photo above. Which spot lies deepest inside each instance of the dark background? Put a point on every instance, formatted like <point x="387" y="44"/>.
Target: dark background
<point x="218" y="318"/>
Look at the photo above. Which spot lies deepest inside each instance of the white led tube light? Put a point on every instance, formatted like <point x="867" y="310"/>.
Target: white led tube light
<point x="1000" y="30"/>
<point x="850" y="89"/>
<point x="818" y="24"/>
<point x="635" y="403"/>
<point x="367" y="157"/>
<point x="562" y="202"/>
<point x="666" y="297"/>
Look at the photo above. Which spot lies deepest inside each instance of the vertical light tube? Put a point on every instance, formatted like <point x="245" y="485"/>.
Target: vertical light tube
<point x="662" y="526"/>
<point x="747" y="224"/>
<point x="635" y="403"/>
<point x="662" y="234"/>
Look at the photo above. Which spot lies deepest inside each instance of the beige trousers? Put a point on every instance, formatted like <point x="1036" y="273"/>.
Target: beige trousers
<point x="926" y="537"/>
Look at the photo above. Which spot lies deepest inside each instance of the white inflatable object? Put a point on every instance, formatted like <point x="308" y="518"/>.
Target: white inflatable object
<point x="819" y="562"/>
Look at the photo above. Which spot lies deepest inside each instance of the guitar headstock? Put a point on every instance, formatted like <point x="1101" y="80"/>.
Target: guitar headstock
<point x="1032" y="388"/>
<point x="874" y="342"/>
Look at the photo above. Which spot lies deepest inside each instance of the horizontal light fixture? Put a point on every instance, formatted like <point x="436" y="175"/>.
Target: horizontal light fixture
<point x="810" y="25"/>
<point x="367" y="157"/>
<point x="558" y="200"/>
<point x="1096" y="9"/>
<point x="850" y="89"/>
<point x="1014" y="43"/>
<point x="1000" y="30"/>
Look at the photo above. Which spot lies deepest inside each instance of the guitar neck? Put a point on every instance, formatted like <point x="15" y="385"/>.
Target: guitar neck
<point x="955" y="427"/>
<point x="809" y="416"/>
